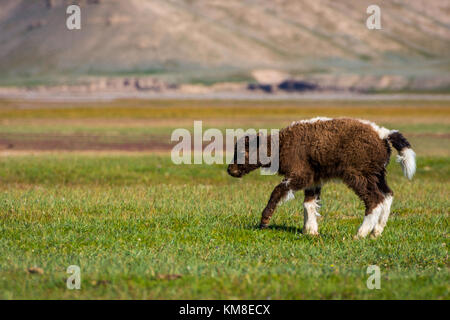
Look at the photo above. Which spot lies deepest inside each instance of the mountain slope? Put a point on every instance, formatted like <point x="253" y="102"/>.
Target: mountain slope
<point x="215" y="38"/>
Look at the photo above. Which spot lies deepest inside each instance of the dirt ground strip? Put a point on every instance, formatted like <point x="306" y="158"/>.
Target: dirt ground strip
<point x="142" y="143"/>
<point x="46" y="142"/>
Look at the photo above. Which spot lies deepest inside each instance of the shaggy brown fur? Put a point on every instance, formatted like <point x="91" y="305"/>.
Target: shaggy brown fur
<point x="311" y="153"/>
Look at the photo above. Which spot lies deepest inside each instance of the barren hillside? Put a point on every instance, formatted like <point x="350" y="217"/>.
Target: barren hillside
<point x="209" y="40"/>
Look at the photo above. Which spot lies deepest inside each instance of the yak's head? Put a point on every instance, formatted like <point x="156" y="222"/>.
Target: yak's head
<point x="246" y="155"/>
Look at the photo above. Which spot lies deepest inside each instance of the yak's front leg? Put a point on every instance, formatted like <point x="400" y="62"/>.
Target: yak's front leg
<point x="280" y="192"/>
<point x="283" y="191"/>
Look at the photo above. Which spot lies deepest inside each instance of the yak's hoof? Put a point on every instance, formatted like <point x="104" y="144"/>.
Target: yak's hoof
<point x="263" y="226"/>
<point x="376" y="232"/>
<point x="375" y="235"/>
<point x="310" y="233"/>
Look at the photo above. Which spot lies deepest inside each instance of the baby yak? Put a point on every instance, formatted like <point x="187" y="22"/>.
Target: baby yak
<point x="312" y="152"/>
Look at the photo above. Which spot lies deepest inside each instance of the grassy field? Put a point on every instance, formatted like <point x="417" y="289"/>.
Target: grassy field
<point x="141" y="227"/>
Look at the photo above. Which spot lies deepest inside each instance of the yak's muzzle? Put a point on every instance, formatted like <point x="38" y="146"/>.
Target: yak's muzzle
<point x="234" y="171"/>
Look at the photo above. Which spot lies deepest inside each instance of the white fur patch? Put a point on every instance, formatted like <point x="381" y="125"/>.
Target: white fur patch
<point x="407" y="159"/>
<point x="382" y="132"/>
<point x="312" y="206"/>
<point x="384" y="216"/>
<point x="310" y="225"/>
<point x="311" y="120"/>
<point x="370" y="221"/>
<point x="288" y="197"/>
<point x="387" y="202"/>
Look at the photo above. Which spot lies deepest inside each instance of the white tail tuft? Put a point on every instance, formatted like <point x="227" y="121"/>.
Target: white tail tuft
<point x="407" y="159"/>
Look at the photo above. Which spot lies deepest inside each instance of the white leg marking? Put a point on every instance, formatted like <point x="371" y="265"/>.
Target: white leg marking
<point x="370" y="221"/>
<point x="289" y="196"/>
<point x="384" y="216"/>
<point x="310" y="225"/>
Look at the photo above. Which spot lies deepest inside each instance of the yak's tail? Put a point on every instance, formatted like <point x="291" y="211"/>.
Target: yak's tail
<point x="406" y="156"/>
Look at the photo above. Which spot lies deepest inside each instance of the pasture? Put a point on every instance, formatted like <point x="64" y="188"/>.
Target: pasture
<point x="93" y="185"/>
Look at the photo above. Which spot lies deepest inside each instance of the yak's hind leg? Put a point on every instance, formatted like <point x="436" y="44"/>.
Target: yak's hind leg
<point x="386" y="205"/>
<point x="367" y="190"/>
<point x="310" y="205"/>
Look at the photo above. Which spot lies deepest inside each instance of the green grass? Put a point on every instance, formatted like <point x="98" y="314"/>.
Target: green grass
<point x="129" y="220"/>
<point x="224" y="109"/>
<point x="152" y="128"/>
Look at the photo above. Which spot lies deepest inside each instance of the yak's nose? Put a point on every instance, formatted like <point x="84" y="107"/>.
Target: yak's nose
<point x="233" y="173"/>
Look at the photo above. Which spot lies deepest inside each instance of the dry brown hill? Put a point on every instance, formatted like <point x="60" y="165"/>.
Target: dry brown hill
<point x="209" y="40"/>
